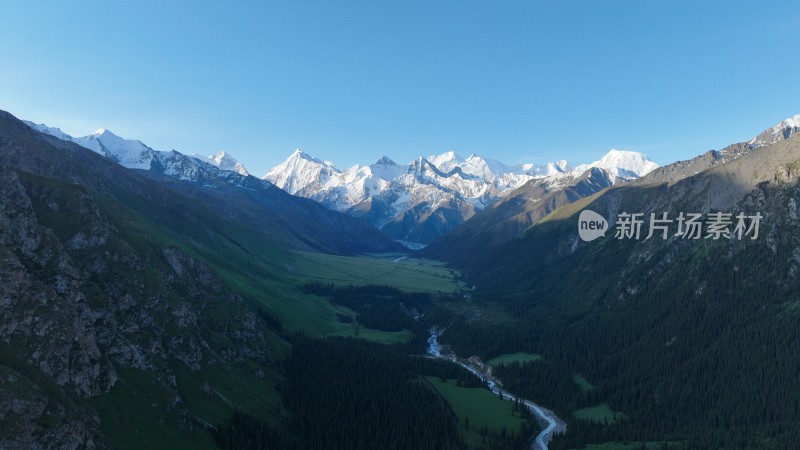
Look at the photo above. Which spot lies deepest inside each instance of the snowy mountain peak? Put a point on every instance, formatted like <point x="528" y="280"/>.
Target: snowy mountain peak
<point x="446" y="156"/>
<point x="224" y="161"/>
<point x="624" y="164"/>
<point x="793" y="121"/>
<point x="446" y="162"/>
<point x="299" y="154"/>
<point x="385" y="169"/>
<point x="553" y="168"/>
<point x="384" y="161"/>
<point x="301" y="171"/>
<point x="781" y="131"/>
<point x="129" y="153"/>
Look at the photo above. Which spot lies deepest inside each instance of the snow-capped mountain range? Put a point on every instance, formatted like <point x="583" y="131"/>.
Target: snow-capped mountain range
<point x="424" y="199"/>
<point x="220" y="180"/>
<point x="134" y="154"/>
<point x="416" y="202"/>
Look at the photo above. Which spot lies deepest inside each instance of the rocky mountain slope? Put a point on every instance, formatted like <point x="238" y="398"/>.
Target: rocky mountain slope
<point x="682" y="169"/>
<point x="110" y="307"/>
<point x="741" y="184"/>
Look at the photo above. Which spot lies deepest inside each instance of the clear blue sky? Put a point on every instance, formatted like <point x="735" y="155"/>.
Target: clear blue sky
<point x="349" y="81"/>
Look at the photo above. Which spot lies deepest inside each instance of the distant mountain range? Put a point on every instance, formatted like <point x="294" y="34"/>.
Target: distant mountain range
<point x="428" y="198"/>
<point x="225" y="184"/>
<point x="134" y="154"/>
<point x="518" y="210"/>
<point x="414" y="203"/>
<point x="424" y="200"/>
<point x="419" y="202"/>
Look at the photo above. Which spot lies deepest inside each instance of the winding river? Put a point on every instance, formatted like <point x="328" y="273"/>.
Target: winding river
<point x="553" y="425"/>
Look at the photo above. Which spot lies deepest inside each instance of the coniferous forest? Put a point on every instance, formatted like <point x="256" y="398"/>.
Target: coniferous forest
<point x="703" y="353"/>
<point x="348" y="393"/>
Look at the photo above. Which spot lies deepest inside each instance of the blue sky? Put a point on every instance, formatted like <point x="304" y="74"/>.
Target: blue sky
<point x="349" y="81"/>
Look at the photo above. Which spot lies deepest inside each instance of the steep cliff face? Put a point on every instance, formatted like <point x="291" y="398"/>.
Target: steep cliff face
<point x="93" y="289"/>
<point x="46" y="332"/>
